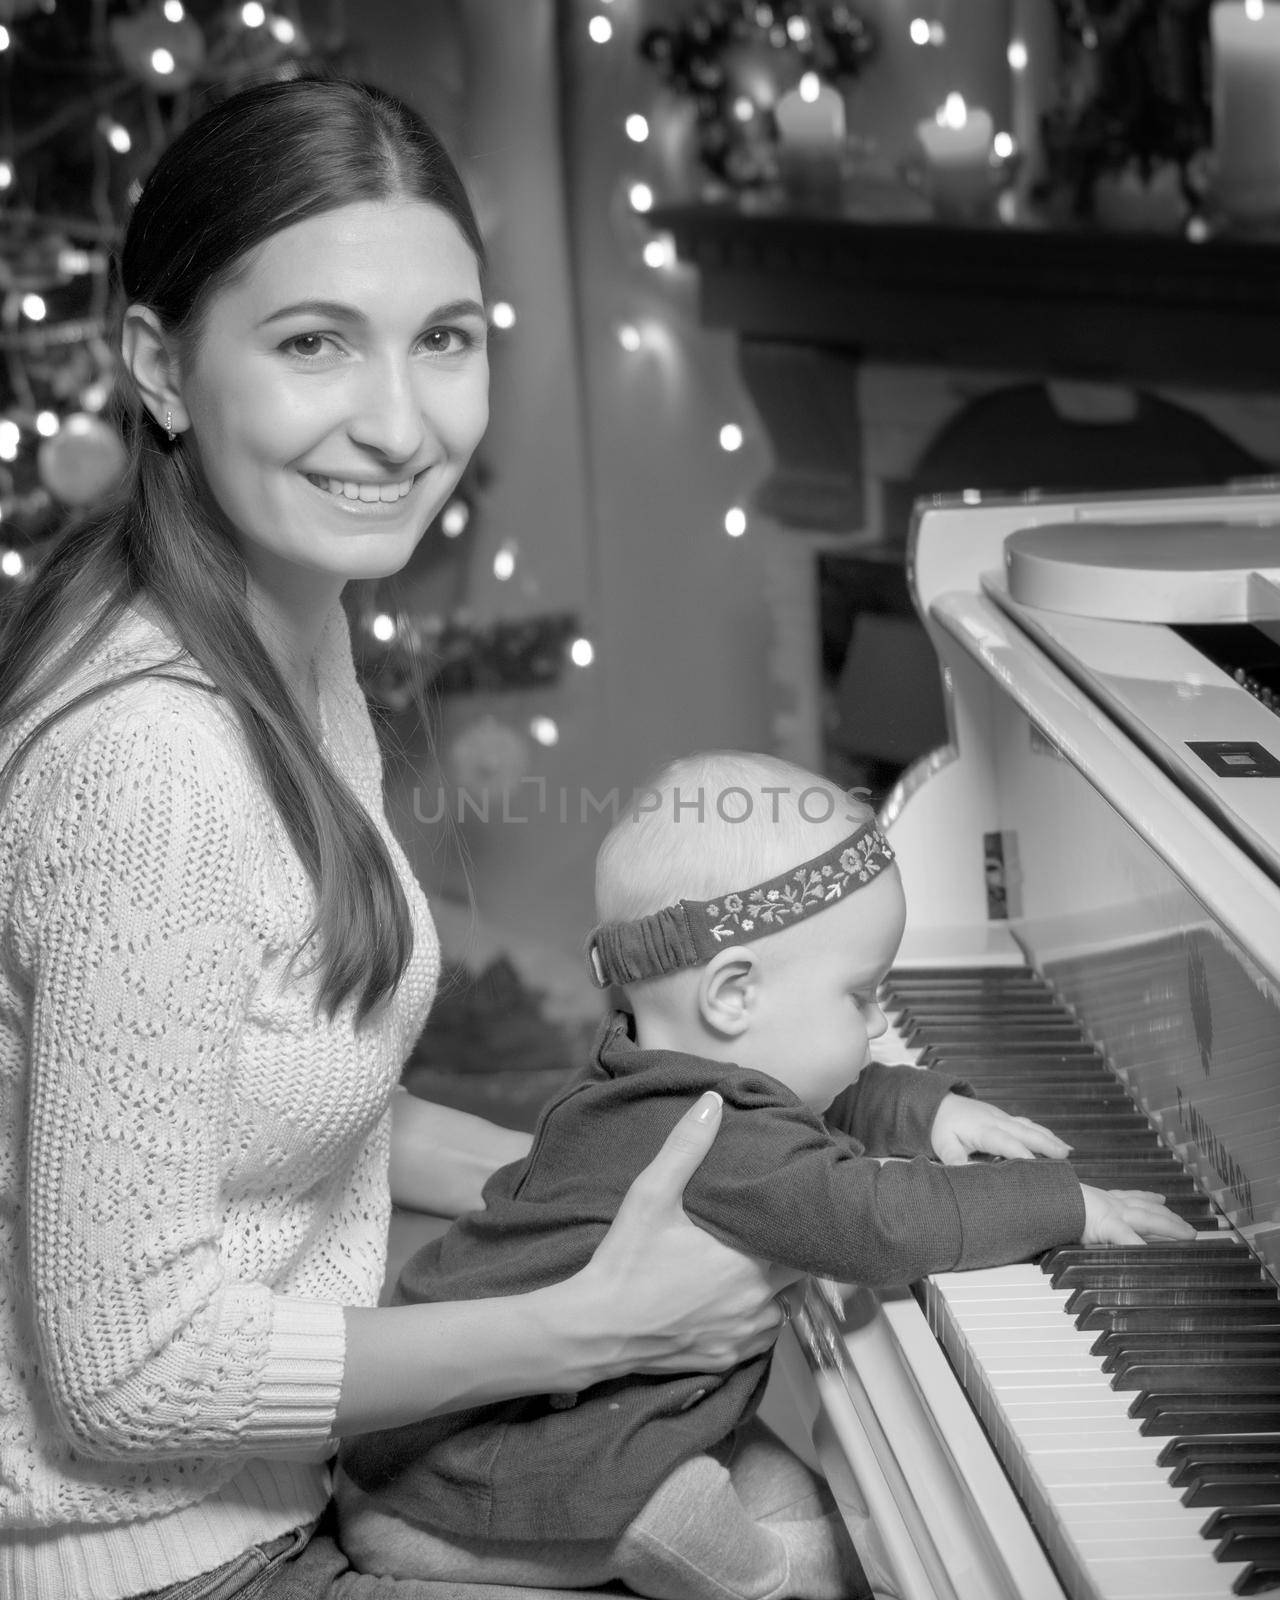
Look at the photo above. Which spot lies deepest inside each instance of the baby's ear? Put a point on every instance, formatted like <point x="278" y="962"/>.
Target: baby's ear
<point x="727" y="991"/>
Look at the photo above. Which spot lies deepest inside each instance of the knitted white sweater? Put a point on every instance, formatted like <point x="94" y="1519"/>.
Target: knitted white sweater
<point x="193" y="1165"/>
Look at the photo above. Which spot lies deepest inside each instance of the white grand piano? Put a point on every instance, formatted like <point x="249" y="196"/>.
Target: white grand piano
<point x="1092" y="868"/>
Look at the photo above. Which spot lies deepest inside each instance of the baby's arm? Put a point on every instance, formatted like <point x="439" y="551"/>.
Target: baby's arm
<point x="904" y="1111"/>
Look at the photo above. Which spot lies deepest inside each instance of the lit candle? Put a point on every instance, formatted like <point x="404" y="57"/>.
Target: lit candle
<point x="1246" y="107"/>
<point x="957" y="152"/>
<point x="810" y="122"/>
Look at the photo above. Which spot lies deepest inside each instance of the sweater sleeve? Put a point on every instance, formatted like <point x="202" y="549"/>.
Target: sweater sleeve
<point x="135" y="908"/>
<point x="780" y="1186"/>
<point x="890" y="1110"/>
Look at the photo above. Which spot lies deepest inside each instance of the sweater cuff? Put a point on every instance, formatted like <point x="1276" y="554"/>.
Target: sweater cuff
<point x="1038" y="1204"/>
<point x="297" y="1397"/>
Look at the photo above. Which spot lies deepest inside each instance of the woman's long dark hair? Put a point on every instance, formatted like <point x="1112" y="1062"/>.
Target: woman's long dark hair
<point x="260" y="161"/>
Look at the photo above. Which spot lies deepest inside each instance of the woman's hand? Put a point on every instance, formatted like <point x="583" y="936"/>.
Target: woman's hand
<point x="661" y="1294"/>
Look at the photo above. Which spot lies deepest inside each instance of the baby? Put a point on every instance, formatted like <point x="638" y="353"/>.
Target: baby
<point x="750" y="941"/>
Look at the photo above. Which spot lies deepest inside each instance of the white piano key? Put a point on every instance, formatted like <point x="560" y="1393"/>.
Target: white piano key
<point x="1115" y="1525"/>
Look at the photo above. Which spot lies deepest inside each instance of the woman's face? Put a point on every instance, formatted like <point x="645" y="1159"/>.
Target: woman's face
<point x="338" y="388"/>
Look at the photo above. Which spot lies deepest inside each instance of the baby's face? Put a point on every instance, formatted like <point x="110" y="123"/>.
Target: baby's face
<point x="816" y="1011"/>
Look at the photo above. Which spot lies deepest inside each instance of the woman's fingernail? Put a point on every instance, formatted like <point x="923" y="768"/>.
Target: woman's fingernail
<point x="708" y="1106"/>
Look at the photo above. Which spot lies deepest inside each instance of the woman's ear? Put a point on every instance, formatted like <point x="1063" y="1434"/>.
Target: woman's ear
<point x="151" y="356"/>
<point x="727" y="990"/>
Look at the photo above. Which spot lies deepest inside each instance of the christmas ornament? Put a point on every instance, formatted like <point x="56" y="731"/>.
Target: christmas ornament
<point x="83" y="461"/>
<point x="488" y="759"/>
<point x="164" y="56"/>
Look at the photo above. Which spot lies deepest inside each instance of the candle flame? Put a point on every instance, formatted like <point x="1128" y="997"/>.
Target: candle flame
<point x="810" y="86"/>
<point x="1253" y="9"/>
<point x="954" y="114"/>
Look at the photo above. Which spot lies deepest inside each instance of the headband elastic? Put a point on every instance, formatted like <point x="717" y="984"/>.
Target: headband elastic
<point x="690" y="932"/>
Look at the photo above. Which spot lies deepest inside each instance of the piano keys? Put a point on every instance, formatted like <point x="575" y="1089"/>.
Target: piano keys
<point x="1093" y="941"/>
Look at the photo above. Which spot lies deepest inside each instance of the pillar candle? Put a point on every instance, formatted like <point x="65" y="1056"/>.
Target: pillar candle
<point x="1246" y="107"/>
<point x="810" y="121"/>
<point x="957" y="153"/>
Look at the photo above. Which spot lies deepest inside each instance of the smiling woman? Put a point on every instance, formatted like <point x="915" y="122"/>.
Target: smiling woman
<point x="216" y="955"/>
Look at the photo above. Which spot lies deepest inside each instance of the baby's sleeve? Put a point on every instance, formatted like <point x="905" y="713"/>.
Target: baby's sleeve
<point x="133" y="922"/>
<point x="889" y="1110"/>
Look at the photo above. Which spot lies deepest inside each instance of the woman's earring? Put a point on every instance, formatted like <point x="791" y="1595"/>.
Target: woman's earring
<point x="168" y="426"/>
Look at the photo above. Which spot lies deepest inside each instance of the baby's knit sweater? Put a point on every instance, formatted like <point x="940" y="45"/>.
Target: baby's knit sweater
<point x="193" y="1163"/>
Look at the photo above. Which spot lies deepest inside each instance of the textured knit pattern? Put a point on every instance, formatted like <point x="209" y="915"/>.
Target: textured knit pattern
<point x="193" y="1163"/>
<point x="779" y="1182"/>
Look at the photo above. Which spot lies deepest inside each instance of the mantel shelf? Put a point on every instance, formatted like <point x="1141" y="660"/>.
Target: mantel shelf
<point x="1126" y="307"/>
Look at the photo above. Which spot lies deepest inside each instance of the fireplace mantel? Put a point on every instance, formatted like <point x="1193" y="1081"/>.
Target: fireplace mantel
<point x="812" y="296"/>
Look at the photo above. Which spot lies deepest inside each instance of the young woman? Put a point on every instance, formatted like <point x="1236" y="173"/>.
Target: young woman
<point x="215" y="957"/>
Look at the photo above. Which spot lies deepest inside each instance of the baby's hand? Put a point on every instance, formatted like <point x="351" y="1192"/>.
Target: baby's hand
<point x="964" y="1126"/>
<point x="1129" y="1216"/>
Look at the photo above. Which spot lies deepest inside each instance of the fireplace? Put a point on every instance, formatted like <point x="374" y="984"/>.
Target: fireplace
<point x="890" y="362"/>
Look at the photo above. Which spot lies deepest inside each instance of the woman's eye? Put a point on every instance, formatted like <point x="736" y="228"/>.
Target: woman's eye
<point x="306" y="345"/>
<point x="447" y="341"/>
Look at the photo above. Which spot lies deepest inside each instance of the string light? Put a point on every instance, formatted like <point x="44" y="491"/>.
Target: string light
<point x="640" y="197"/>
<point x="10" y="438"/>
<point x="735" y="522"/>
<point x="630" y="337"/>
<point x="544" y="731"/>
<point x="283" y="30"/>
<point x="1003" y="146"/>
<point x="502" y="314"/>
<point x="504" y="562"/>
<point x="1017" y="55"/>
<point x="252" y="14"/>
<point x="4" y="37"/>
<point x="731" y="437"/>
<point x="582" y="652"/>
<point x="174" y="10"/>
<point x="743" y="108"/>
<point x="659" y="252"/>
<point x="34" y="307"/>
<point x="600" y="29"/>
<point x="11" y="564"/>
<point x="383" y="628"/>
<point x="6" y="174"/>
<point x="637" y="128"/>
<point x="47" y="424"/>
<point x="919" y="30"/>
<point x="810" y="86"/>
<point x="116" y="135"/>
<point x="454" y="519"/>
<point x="162" y="62"/>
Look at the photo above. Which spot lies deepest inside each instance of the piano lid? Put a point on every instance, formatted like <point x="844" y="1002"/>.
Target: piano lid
<point x="1125" y="607"/>
<point x="1188" y="572"/>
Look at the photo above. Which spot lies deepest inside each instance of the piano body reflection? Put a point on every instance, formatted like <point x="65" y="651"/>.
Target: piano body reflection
<point x="1092" y="868"/>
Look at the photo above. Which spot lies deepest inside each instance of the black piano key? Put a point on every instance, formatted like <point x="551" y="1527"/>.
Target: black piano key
<point x="1226" y="1520"/>
<point x="1260" y="1577"/>
<point x="1240" y="1484"/>
<point x="1118" y="1350"/>
<point x="1006" y="1052"/>
<point x="1171" y="1298"/>
<point x="1028" y="1036"/>
<point x="1133" y="1274"/>
<point x="1194" y="1413"/>
<point x="1250" y="1544"/>
<point x="1194" y="1447"/>
<point x="1259" y="1376"/>
<point x="1172" y="1251"/>
<point x="1201" y="1321"/>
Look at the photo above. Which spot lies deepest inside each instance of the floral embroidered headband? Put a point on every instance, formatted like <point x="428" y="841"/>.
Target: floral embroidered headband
<point x="690" y="932"/>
